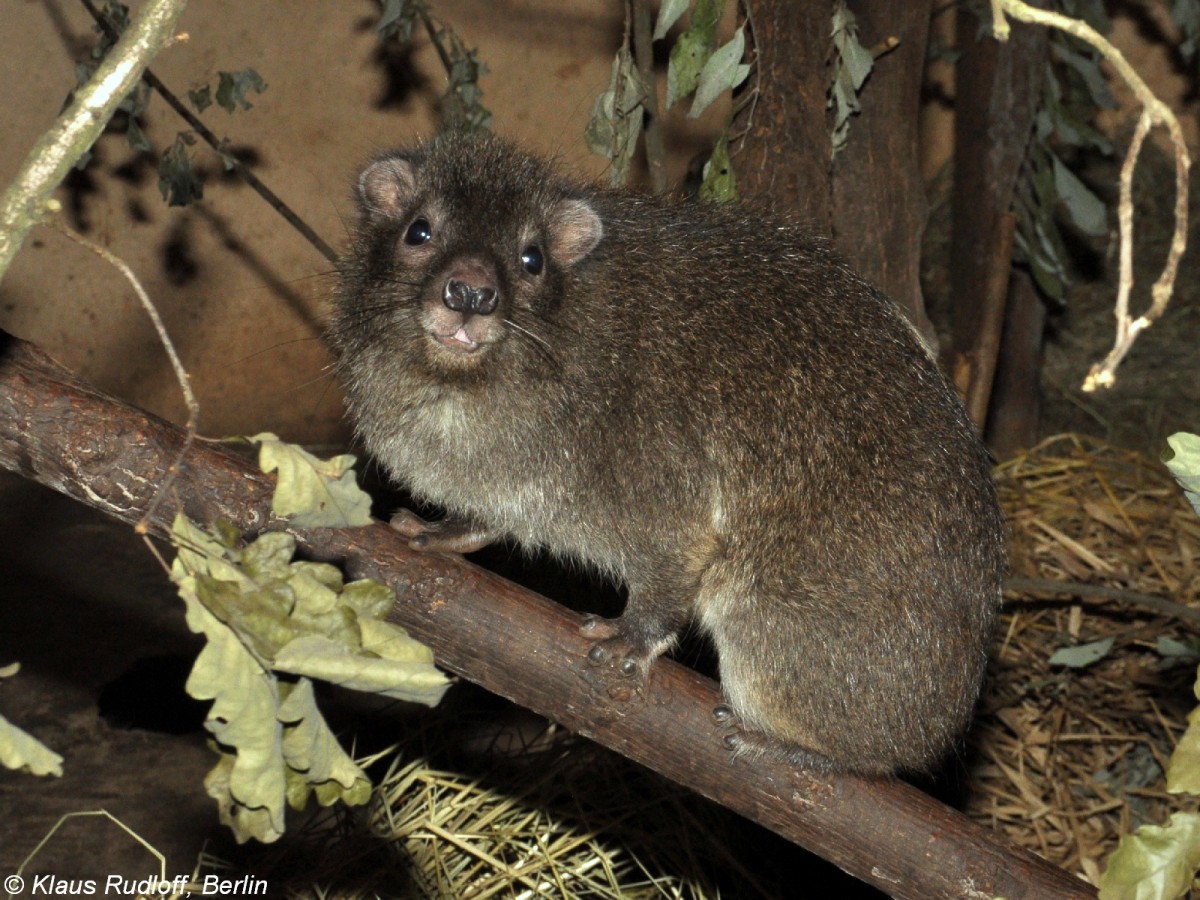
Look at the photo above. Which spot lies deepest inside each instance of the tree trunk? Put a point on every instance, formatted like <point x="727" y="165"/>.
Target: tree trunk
<point x="1012" y="423"/>
<point x="879" y="206"/>
<point x="870" y="199"/>
<point x="785" y="156"/>
<point x="996" y="95"/>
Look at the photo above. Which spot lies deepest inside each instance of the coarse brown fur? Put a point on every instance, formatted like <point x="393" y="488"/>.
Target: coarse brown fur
<point x="705" y="403"/>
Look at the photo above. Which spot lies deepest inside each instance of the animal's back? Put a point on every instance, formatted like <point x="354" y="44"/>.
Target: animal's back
<point x="859" y="546"/>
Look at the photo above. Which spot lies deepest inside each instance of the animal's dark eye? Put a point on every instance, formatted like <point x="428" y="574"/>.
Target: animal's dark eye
<point x="532" y="260"/>
<point x="419" y="232"/>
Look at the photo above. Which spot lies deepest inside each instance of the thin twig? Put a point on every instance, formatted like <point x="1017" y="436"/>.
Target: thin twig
<point x="986" y="351"/>
<point x="217" y="144"/>
<point x="1154" y="112"/>
<point x="435" y="39"/>
<point x="750" y="101"/>
<point x="643" y="54"/>
<point x="1149" y="601"/>
<point x="181" y="375"/>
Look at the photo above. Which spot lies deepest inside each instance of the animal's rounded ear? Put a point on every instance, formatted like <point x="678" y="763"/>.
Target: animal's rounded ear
<point x="388" y="186"/>
<point x="575" y="230"/>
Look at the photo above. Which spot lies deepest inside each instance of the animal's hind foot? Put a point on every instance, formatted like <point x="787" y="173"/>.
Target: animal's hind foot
<point x="449" y="535"/>
<point x="742" y="742"/>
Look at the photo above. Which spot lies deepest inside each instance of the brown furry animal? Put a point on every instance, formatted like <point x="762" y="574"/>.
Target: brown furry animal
<point x="706" y="404"/>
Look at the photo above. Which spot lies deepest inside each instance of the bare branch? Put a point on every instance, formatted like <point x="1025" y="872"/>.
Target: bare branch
<point x="643" y="53"/>
<point x="72" y="135"/>
<point x="1154" y="112"/>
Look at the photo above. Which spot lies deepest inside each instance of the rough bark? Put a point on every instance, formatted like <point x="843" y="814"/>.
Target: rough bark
<point x="996" y="94"/>
<point x="879" y="206"/>
<point x="59" y="431"/>
<point x="785" y="156"/>
<point x="870" y="199"/>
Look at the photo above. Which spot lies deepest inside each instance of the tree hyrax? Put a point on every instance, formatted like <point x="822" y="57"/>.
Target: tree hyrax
<point x="703" y="402"/>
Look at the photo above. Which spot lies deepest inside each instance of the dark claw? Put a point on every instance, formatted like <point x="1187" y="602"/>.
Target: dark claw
<point x="597" y="655"/>
<point x="628" y="667"/>
<point x="731" y="741"/>
<point x="723" y="715"/>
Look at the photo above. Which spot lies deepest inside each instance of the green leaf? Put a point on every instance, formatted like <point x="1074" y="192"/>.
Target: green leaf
<point x="313" y="752"/>
<point x="722" y="72"/>
<point x="687" y="59"/>
<point x="263" y="612"/>
<point x="201" y="98"/>
<point x="397" y="18"/>
<point x="1082" y="655"/>
<point x="852" y="63"/>
<point x="1182" y="457"/>
<point x="320" y="610"/>
<point x="313" y="493"/>
<point x="692" y="50"/>
<point x="22" y="751"/>
<point x="1086" y="209"/>
<point x="200" y="553"/>
<point x="368" y="598"/>
<point x="232" y="88"/>
<point x="1088" y="69"/>
<point x="177" y="181"/>
<point x="1046" y="278"/>
<point x="1155" y="862"/>
<point x="393" y="642"/>
<point x="617" y="116"/>
<point x="248" y="786"/>
<point x="135" y="102"/>
<point x="852" y="55"/>
<point x="668" y="15"/>
<point x="1186" y="16"/>
<point x="1090" y="11"/>
<point x="260" y="617"/>
<point x="720" y="183"/>
<point x="462" y="106"/>
<point x="1175" y="652"/>
<point x="246" y="822"/>
<point x="270" y="556"/>
<point x="135" y="136"/>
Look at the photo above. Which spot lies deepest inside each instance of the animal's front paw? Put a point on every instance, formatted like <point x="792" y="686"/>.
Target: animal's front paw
<point x="615" y="649"/>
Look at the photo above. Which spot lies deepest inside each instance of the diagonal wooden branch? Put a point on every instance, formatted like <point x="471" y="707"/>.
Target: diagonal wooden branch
<point x="65" y="434"/>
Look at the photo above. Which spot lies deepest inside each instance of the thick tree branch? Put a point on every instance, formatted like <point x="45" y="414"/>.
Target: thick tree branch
<point x="63" y="433"/>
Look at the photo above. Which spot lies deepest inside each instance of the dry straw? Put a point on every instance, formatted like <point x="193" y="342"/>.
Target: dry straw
<point x="1103" y="546"/>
